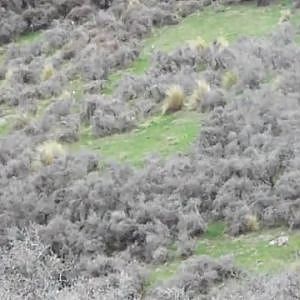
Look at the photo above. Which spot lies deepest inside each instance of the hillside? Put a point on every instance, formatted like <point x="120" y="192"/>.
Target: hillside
<point x="149" y="150"/>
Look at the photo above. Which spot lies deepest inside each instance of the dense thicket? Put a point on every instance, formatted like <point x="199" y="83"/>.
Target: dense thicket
<point x="20" y="16"/>
<point x="69" y="56"/>
<point x="73" y="227"/>
<point x="69" y="212"/>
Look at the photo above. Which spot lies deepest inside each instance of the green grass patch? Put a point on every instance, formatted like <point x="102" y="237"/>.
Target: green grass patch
<point x="163" y="135"/>
<point x="29" y="38"/>
<point x="4" y="127"/>
<point x="236" y="21"/>
<point x="8" y="119"/>
<point x="251" y="252"/>
<point x="112" y="82"/>
<point x="215" y="230"/>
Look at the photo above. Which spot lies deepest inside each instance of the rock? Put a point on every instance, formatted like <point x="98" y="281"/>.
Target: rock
<point x="280" y="241"/>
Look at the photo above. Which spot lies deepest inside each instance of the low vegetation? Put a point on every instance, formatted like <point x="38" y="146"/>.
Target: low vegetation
<point x="49" y="151"/>
<point x="252" y="252"/>
<point x="127" y="128"/>
<point x="204" y="27"/>
<point x="164" y="136"/>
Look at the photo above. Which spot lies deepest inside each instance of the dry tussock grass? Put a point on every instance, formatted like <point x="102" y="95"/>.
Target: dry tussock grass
<point x="286" y="15"/>
<point x="252" y="223"/>
<point x="50" y="150"/>
<point x="48" y="72"/>
<point x="198" y="95"/>
<point x="174" y="100"/>
<point x="229" y="79"/>
<point x="199" y="43"/>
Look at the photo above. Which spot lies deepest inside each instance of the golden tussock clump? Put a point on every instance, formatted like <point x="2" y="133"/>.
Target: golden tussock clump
<point x="229" y="79"/>
<point x="286" y="15"/>
<point x="133" y="3"/>
<point x="50" y="150"/>
<point x="9" y="74"/>
<point x="174" y="99"/>
<point x="199" y="43"/>
<point x="221" y="42"/>
<point x="47" y="72"/>
<point x="199" y="93"/>
<point x="252" y="223"/>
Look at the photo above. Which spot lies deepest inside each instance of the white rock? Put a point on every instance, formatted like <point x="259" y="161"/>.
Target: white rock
<point x="280" y="241"/>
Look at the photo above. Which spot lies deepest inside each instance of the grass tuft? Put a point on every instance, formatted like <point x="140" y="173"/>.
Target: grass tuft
<point x="48" y="72"/>
<point x="199" y="43"/>
<point x="286" y="15"/>
<point x="174" y="100"/>
<point x="198" y="94"/>
<point x="50" y="150"/>
<point x="252" y="223"/>
<point x="229" y="79"/>
<point x="222" y="42"/>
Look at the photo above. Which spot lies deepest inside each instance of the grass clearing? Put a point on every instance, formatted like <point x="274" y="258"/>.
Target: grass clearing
<point x="29" y="38"/>
<point x="234" y="22"/>
<point x="251" y="252"/>
<point x="163" y="135"/>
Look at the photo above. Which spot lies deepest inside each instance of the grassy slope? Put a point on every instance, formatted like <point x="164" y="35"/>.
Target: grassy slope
<point x="234" y="22"/>
<point x="170" y="134"/>
<point x="165" y="135"/>
<point x="162" y="134"/>
<point x="252" y="251"/>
